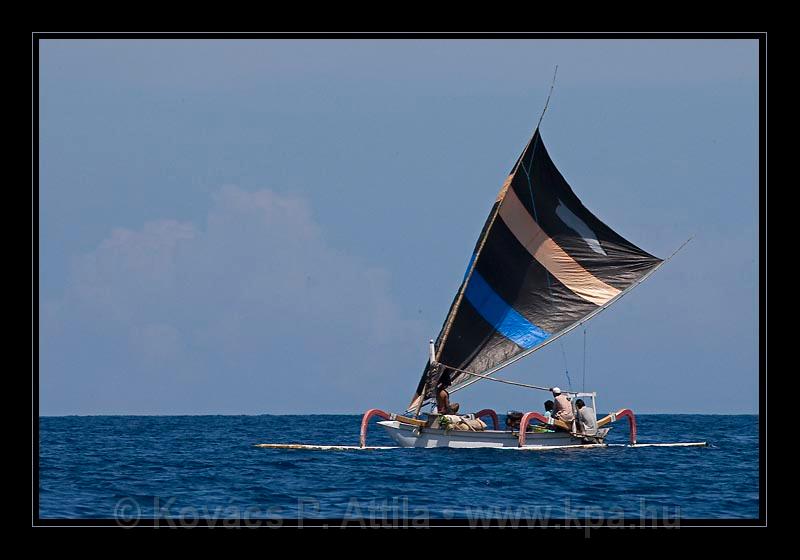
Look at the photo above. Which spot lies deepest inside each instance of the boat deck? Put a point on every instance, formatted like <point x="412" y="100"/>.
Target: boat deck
<point x="410" y="436"/>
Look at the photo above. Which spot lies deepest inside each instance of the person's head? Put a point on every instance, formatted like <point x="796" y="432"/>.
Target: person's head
<point x="556" y="391"/>
<point x="444" y="379"/>
<point x="580" y="404"/>
<point x="548" y="406"/>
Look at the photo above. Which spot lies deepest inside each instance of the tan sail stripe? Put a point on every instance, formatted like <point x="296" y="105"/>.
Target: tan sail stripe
<point x="504" y="188"/>
<point x="550" y="255"/>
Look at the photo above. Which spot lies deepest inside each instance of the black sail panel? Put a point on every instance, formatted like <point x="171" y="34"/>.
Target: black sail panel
<point x="542" y="264"/>
<point x="516" y="276"/>
<point x="547" y="196"/>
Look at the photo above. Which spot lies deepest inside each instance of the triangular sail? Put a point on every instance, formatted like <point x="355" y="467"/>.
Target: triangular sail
<point x="542" y="264"/>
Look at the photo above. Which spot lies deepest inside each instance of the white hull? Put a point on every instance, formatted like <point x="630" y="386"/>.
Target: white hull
<point x="410" y="436"/>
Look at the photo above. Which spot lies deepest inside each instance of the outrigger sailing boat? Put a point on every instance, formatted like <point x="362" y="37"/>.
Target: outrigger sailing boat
<point x="543" y="265"/>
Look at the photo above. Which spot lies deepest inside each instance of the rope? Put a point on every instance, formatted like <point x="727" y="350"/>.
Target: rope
<point x="552" y="85"/>
<point x="583" y="385"/>
<point x="566" y="367"/>
<point x="529" y="169"/>
<point x="500" y="380"/>
<point x="679" y="248"/>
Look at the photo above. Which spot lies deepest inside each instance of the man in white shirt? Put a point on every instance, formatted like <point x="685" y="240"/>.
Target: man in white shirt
<point x="562" y="409"/>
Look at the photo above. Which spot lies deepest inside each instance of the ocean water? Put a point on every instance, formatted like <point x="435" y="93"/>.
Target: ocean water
<point x="188" y="467"/>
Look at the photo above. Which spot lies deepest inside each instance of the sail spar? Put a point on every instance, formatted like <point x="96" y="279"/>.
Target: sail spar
<point x="543" y="263"/>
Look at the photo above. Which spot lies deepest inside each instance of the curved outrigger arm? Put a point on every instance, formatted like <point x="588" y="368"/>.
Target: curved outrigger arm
<point x="528" y="416"/>
<point x="613" y="417"/>
<point x="621" y="413"/>
<point x="368" y="415"/>
<point x="373" y="412"/>
<point x="492" y="414"/>
<point x="523" y="425"/>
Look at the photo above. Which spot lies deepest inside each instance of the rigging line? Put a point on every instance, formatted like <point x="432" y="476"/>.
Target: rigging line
<point x="536" y="143"/>
<point x="520" y="161"/>
<point x="530" y="191"/>
<point x="499" y="379"/>
<point x="575" y="325"/>
<point x="583" y="385"/>
<point x="679" y="248"/>
<point x="529" y="170"/>
<point x="552" y="85"/>
<point x="533" y="202"/>
<point x="566" y="367"/>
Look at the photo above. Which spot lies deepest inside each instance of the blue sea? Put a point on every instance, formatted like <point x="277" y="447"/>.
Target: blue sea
<point x="130" y="468"/>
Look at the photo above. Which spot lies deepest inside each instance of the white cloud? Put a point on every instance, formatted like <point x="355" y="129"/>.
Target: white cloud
<point x="131" y="267"/>
<point x="253" y="307"/>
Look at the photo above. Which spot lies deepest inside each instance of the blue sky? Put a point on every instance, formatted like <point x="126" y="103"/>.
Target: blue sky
<point x="279" y="226"/>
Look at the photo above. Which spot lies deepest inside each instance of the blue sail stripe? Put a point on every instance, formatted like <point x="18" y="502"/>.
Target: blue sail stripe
<point x="469" y="265"/>
<point x="502" y="316"/>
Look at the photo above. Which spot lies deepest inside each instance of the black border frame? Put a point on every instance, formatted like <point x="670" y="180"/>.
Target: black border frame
<point x="331" y="523"/>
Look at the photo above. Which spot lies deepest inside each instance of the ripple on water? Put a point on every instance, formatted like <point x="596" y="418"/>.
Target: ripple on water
<point x="88" y="464"/>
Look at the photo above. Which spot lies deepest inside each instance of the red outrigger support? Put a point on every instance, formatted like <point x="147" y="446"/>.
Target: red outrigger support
<point x="613" y="417"/>
<point x="412" y="421"/>
<point x="365" y="422"/>
<point x="526" y="419"/>
<point x="621" y="413"/>
<point x="523" y="425"/>
<point x="492" y="413"/>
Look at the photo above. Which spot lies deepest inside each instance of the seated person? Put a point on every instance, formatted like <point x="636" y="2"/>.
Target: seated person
<point x="443" y="405"/>
<point x="548" y="412"/>
<point x="562" y="409"/>
<point x="587" y="421"/>
<point x="513" y="419"/>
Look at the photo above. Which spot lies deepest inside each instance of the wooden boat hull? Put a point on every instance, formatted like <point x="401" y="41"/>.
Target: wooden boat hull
<point x="411" y="436"/>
